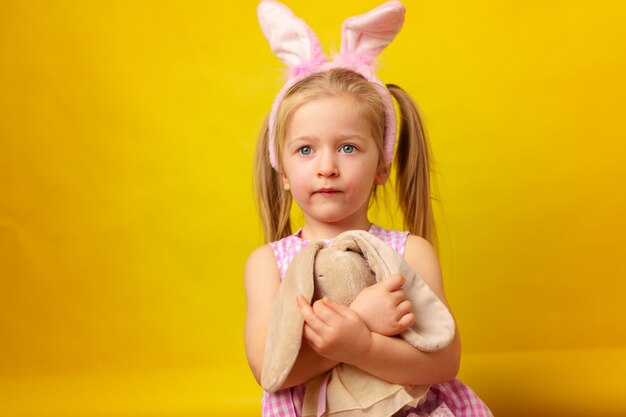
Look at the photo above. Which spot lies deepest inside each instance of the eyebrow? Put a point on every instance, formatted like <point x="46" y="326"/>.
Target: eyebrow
<point x="305" y="138"/>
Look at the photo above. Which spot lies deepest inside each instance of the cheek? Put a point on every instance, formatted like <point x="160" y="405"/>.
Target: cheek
<point x="362" y="179"/>
<point x="366" y="172"/>
<point x="295" y="181"/>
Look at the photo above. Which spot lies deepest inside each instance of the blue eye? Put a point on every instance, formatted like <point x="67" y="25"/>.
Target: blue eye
<point x="305" y="150"/>
<point x="348" y="148"/>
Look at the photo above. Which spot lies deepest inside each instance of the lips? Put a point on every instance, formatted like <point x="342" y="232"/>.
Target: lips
<point x="327" y="191"/>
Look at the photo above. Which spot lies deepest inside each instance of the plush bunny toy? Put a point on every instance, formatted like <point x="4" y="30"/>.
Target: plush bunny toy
<point x="339" y="271"/>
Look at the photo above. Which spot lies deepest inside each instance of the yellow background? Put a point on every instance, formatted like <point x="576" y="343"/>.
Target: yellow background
<point x="127" y="131"/>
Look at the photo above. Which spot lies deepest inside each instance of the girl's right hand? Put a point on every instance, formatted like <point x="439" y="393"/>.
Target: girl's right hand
<point x="384" y="307"/>
<point x="334" y="331"/>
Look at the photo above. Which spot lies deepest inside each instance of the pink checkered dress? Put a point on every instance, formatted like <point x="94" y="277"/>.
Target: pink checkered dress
<point x="450" y="399"/>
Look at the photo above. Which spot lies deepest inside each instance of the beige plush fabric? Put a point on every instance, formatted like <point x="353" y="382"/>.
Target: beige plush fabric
<point x="339" y="271"/>
<point x="352" y="392"/>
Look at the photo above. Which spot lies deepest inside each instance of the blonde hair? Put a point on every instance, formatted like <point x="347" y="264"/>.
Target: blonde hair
<point x="412" y="154"/>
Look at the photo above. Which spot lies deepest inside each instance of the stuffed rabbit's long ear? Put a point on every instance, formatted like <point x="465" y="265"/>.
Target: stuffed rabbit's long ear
<point x="284" y="333"/>
<point x="434" y="326"/>
<point x="290" y="38"/>
<point x="368" y="34"/>
<point x="370" y="247"/>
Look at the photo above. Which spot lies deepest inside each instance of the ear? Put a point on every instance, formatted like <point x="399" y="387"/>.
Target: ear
<point x="368" y="34"/>
<point x="285" y="180"/>
<point x="284" y="332"/>
<point x="290" y="38"/>
<point x="382" y="173"/>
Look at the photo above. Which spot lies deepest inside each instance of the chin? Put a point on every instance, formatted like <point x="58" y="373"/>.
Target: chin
<point x="333" y="217"/>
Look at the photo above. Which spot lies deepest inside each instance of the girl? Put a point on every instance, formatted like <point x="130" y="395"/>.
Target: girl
<point x="328" y="143"/>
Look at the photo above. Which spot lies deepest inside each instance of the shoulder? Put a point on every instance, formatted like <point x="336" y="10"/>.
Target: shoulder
<point x="261" y="272"/>
<point x="417" y="244"/>
<point x="261" y="253"/>
<point x="261" y="259"/>
<point x="422" y="257"/>
<point x="261" y="280"/>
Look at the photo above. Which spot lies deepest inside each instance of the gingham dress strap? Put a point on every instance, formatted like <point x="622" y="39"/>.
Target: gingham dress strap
<point x="285" y="249"/>
<point x="393" y="238"/>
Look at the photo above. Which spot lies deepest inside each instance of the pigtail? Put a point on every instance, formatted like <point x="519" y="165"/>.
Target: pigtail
<point x="413" y="169"/>
<point x="274" y="203"/>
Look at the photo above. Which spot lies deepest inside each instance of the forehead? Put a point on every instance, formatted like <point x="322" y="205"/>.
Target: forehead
<point x="337" y="116"/>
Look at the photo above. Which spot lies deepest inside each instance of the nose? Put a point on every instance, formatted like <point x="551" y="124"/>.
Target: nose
<point x="327" y="166"/>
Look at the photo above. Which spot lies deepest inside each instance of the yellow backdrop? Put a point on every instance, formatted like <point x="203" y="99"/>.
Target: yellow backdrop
<point x="126" y="137"/>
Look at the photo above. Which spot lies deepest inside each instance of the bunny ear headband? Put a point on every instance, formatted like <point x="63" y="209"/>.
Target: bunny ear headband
<point x="363" y="37"/>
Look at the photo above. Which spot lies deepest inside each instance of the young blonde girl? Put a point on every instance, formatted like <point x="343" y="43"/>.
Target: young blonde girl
<point x="328" y="142"/>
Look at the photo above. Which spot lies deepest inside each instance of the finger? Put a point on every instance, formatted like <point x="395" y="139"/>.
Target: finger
<point x="325" y="310"/>
<point x="393" y="282"/>
<point x="311" y="335"/>
<point x="337" y="307"/>
<point x="407" y="320"/>
<point x="309" y="316"/>
<point x="405" y="307"/>
<point x="399" y="296"/>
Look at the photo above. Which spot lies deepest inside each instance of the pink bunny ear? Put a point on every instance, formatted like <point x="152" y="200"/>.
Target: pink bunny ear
<point x="363" y="37"/>
<point x="290" y="38"/>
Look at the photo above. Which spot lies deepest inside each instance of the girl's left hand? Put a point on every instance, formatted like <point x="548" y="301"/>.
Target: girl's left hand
<point x="335" y="331"/>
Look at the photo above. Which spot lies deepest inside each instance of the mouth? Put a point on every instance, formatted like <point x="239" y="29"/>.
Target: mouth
<point x="327" y="191"/>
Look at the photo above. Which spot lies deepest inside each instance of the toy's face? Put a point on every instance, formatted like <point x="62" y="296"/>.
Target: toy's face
<point x="341" y="275"/>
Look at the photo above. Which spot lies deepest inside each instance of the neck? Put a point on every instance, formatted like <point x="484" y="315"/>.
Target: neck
<point x="313" y="230"/>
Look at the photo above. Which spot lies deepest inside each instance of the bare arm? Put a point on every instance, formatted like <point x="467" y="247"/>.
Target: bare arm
<point x="388" y="358"/>
<point x="262" y="280"/>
